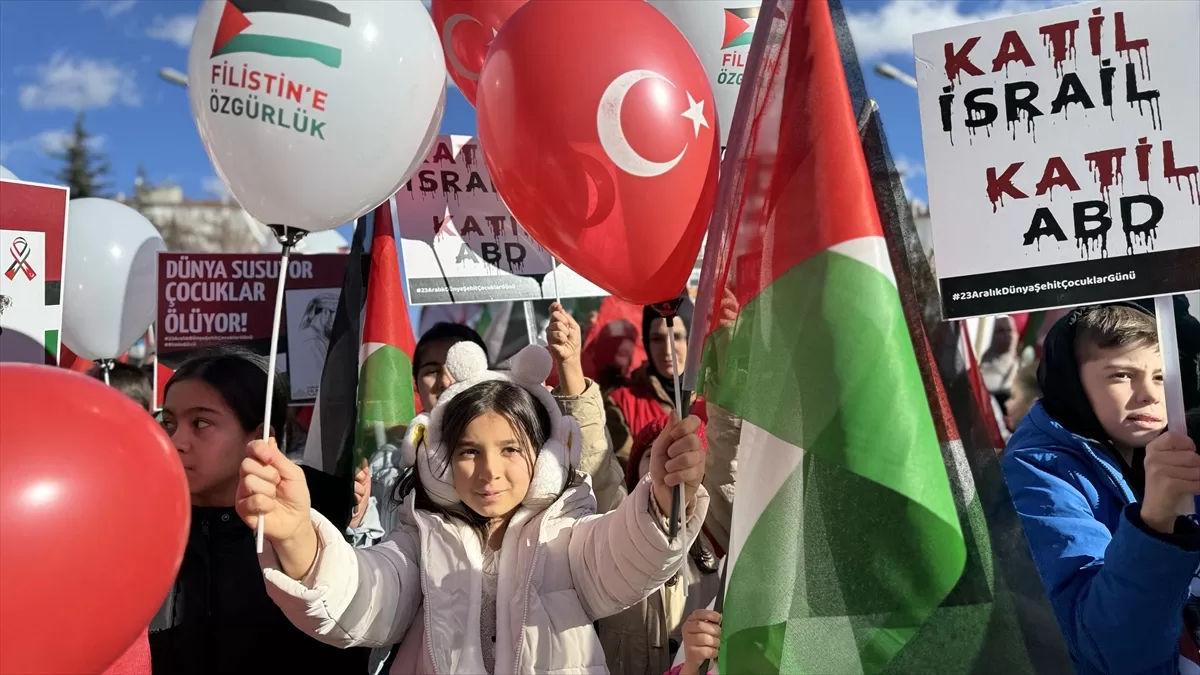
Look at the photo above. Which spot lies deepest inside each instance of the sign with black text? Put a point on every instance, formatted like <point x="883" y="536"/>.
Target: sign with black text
<point x="213" y="299"/>
<point x="461" y="244"/>
<point x="1062" y="151"/>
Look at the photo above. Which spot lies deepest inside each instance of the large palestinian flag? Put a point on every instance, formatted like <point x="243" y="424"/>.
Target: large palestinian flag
<point x="236" y="32"/>
<point x="852" y="550"/>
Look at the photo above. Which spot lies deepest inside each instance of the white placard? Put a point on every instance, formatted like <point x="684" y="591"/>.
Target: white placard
<point x="1061" y="149"/>
<point x="461" y="244"/>
<point x="24" y="315"/>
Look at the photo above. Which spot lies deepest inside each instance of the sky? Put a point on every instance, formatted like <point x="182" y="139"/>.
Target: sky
<point x="102" y="57"/>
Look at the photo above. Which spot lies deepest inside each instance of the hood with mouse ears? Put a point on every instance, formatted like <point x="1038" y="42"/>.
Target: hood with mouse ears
<point x="466" y="362"/>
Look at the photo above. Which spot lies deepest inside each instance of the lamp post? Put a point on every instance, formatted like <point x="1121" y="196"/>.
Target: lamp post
<point x="173" y="76"/>
<point x="893" y="73"/>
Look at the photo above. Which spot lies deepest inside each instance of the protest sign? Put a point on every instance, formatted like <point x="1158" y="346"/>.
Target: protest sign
<point x="206" y="300"/>
<point x="33" y="226"/>
<point x="1062" y="166"/>
<point x="460" y="242"/>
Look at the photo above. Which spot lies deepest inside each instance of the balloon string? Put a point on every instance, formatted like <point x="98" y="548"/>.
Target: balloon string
<point x="554" y="270"/>
<point x="677" y="493"/>
<point x="271" y="359"/>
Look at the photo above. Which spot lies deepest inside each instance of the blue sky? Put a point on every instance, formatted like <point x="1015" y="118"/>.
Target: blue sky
<point x="103" y="57"/>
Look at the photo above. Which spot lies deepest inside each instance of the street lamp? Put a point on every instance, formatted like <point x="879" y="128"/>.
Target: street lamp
<point x="893" y="73"/>
<point x="173" y="76"/>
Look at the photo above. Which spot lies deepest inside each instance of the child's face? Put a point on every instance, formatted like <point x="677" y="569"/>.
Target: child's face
<point x="1125" y="387"/>
<point x="492" y="467"/>
<point x="210" y="440"/>
<point x="1018" y="405"/>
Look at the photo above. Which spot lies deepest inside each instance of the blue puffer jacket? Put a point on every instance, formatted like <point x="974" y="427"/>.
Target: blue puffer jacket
<point x="1118" y="590"/>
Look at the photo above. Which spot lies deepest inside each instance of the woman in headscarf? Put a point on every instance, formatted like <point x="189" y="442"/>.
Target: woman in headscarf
<point x="650" y="393"/>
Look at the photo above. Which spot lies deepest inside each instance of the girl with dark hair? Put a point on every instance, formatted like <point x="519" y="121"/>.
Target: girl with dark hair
<point x="218" y="618"/>
<point x="498" y="563"/>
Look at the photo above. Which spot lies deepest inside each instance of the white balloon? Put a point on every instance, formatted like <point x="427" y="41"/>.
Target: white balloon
<point x="720" y="34"/>
<point x="110" y="283"/>
<point x="314" y="113"/>
<point x="7" y="175"/>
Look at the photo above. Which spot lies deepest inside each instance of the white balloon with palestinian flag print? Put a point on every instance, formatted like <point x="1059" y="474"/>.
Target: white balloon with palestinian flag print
<point x="720" y="31"/>
<point x="314" y="112"/>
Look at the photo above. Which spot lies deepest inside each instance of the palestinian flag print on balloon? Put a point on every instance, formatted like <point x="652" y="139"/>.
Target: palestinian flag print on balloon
<point x="233" y="36"/>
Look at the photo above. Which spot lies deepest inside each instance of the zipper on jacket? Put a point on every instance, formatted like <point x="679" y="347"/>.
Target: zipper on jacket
<point x="424" y="587"/>
<point x="537" y="549"/>
<point x="1117" y="479"/>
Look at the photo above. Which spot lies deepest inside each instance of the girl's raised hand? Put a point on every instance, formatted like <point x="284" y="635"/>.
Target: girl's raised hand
<point x="272" y="486"/>
<point x="677" y="458"/>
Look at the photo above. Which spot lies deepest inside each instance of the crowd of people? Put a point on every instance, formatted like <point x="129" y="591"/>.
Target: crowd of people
<point x="524" y="529"/>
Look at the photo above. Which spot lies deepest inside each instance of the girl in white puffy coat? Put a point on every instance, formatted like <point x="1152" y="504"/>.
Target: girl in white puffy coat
<point x="499" y="563"/>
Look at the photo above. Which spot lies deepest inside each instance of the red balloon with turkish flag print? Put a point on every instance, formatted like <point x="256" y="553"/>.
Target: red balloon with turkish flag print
<point x="597" y="125"/>
<point x="467" y="28"/>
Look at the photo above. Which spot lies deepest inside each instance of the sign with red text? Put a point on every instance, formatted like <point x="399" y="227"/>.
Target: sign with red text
<point x="461" y="244"/>
<point x="1062" y="151"/>
<point x="33" y="226"/>
<point x="206" y="300"/>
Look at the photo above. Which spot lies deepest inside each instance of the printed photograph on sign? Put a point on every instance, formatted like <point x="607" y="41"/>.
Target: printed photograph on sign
<point x="207" y="300"/>
<point x="460" y="243"/>
<point x="1062" y="151"/>
<point x="310" y="315"/>
<point x="33" y="225"/>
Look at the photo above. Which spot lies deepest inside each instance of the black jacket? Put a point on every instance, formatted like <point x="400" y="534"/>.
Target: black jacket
<point x="218" y="618"/>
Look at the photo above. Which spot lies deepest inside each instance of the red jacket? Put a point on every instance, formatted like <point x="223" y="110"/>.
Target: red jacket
<point x="637" y="405"/>
<point x="135" y="660"/>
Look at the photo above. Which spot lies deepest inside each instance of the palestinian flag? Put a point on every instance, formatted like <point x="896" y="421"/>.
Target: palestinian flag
<point x="852" y="549"/>
<point x="385" y="380"/>
<point x="232" y="37"/>
<point x="739" y="26"/>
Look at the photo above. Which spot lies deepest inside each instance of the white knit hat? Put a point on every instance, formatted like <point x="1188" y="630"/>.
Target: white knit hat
<point x="467" y="363"/>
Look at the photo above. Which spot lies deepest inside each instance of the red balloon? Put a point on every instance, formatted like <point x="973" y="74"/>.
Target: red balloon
<point x="467" y="28"/>
<point x="94" y="512"/>
<point x="597" y="124"/>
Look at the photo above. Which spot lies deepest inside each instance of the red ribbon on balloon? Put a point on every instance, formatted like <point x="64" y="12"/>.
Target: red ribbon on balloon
<point x="597" y="123"/>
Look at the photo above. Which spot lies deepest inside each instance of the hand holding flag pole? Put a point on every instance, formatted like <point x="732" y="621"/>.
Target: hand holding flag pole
<point x="287" y="238"/>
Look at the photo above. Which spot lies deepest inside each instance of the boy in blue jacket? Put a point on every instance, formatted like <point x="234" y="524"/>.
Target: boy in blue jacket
<point x="1098" y="486"/>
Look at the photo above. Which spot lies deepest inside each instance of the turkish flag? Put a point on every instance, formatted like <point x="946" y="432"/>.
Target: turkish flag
<point x="598" y="127"/>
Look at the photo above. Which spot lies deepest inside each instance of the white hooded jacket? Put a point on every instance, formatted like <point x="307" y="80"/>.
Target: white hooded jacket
<point x="561" y="567"/>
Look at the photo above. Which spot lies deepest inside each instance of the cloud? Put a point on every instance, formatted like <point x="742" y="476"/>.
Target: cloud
<point x="79" y="84"/>
<point x="216" y="187"/>
<point x="177" y="29"/>
<point x="889" y="29"/>
<point x="909" y="169"/>
<point x="110" y="8"/>
<point x="48" y="142"/>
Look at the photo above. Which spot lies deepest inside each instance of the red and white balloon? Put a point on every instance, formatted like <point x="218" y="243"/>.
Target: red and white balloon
<point x="467" y="28"/>
<point x="597" y="125"/>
